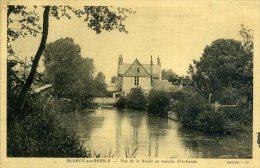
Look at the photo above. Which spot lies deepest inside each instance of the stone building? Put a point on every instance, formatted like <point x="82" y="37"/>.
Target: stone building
<point x="145" y="76"/>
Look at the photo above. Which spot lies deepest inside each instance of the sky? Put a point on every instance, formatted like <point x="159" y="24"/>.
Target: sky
<point x="178" y="33"/>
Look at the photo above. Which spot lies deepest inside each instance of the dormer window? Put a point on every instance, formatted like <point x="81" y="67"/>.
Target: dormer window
<point x="138" y="69"/>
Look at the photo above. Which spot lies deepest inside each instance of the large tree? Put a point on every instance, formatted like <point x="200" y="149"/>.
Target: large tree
<point x="98" y="18"/>
<point x="225" y="65"/>
<point x="69" y="73"/>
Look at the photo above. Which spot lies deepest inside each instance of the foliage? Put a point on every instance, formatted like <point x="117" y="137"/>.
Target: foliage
<point x="70" y="74"/>
<point x="42" y="134"/>
<point x="168" y="74"/>
<point x="211" y="121"/>
<point x="158" y="102"/>
<point x="36" y="131"/>
<point x="193" y="112"/>
<point x="174" y="78"/>
<point x="225" y="64"/>
<point x="121" y="103"/>
<point x="187" y="105"/>
<point x="136" y="99"/>
<point x="221" y="65"/>
<point x="100" y="85"/>
<point x="229" y="95"/>
<point x="24" y="20"/>
<point x="17" y="71"/>
<point x="238" y="120"/>
<point x="98" y="18"/>
<point x="241" y="114"/>
<point x="113" y="79"/>
<point x="22" y="23"/>
<point x="235" y="128"/>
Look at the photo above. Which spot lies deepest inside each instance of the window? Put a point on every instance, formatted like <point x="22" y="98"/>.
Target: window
<point x="138" y="70"/>
<point x="137" y="81"/>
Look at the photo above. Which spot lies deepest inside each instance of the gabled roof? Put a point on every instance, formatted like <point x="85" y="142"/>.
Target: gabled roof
<point x="136" y="69"/>
<point x="123" y="68"/>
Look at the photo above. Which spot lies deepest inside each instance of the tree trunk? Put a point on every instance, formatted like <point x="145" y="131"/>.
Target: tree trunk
<point x="30" y="78"/>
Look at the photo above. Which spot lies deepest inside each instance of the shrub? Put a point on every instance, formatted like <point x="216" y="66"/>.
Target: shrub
<point x="228" y="95"/>
<point x="136" y="99"/>
<point x="121" y="103"/>
<point x="188" y="106"/>
<point x="158" y="103"/>
<point x="235" y="128"/>
<point x="239" y="113"/>
<point x="211" y="121"/>
<point x="42" y="134"/>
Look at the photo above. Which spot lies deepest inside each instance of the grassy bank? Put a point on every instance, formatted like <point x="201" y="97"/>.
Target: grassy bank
<point x="41" y="132"/>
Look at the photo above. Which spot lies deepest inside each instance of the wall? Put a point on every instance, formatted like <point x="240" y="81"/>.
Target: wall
<point x="128" y="84"/>
<point x="105" y="100"/>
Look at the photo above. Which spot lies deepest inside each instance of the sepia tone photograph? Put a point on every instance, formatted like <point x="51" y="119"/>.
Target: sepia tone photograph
<point x="130" y="81"/>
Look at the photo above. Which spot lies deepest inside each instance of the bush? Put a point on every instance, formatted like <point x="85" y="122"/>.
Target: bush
<point x="239" y="113"/>
<point x="235" y="128"/>
<point x="42" y="134"/>
<point x="136" y="99"/>
<point x="188" y="106"/>
<point x="211" y="122"/>
<point x="158" y="103"/>
<point x="121" y="103"/>
<point x="228" y="95"/>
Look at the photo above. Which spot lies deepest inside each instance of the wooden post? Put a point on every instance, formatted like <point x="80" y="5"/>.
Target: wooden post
<point x="209" y="101"/>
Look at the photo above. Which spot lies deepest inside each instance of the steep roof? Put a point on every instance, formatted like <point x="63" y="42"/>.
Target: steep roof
<point x="136" y="69"/>
<point x="144" y="69"/>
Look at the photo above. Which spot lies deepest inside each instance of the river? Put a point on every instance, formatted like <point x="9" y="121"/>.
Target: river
<point x="115" y="130"/>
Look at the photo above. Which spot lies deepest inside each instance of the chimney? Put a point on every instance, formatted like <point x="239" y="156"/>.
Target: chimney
<point x="151" y="69"/>
<point x="158" y="61"/>
<point x="120" y="61"/>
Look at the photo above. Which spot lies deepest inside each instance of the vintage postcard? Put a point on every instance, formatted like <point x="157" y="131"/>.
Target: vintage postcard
<point x="130" y="83"/>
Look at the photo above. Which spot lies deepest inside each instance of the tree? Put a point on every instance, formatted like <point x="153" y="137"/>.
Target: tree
<point x="69" y="73"/>
<point x="100" y="85"/>
<point x="169" y="75"/>
<point x="98" y="18"/>
<point x="136" y="99"/>
<point x="158" y="102"/>
<point x="248" y="44"/>
<point x="222" y="65"/>
<point x="113" y="79"/>
<point x="174" y="78"/>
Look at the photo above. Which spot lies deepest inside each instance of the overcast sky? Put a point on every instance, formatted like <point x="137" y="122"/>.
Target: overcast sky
<point x="178" y="33"/>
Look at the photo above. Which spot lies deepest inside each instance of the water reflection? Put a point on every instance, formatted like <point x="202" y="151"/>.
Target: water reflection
<point x="206" y="146"/>
<point x="110" y="129"/>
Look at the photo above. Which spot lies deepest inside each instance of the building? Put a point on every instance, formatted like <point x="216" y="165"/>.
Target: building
<point x="145" y="76"/>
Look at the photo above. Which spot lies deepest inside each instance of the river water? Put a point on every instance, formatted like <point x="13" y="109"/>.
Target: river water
<point x="106" y="130"/>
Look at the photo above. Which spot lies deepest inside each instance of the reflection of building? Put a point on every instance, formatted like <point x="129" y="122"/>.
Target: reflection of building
<point x="145" y="76"/>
